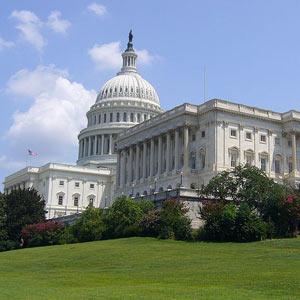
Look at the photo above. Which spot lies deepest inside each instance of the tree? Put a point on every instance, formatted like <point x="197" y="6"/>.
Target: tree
<point x="122" y="218"/>
<point x="3" y="227"/>
<point x="22" y="207"/>
<point x="245" y="184"/>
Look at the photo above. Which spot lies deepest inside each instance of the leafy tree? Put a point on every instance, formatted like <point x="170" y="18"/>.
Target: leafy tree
<point x="22" y="207"/>
<point x="90" y="226"/>
<point x="122" y="218"/>
<point x="245" y="184"/>
<point x="146" y="206"/>
<point x="3" y="227"/>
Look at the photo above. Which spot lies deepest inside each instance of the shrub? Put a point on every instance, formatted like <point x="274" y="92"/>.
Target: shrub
<point x="42" y="234"/>
<point x="9" y="245"/>
<point x="150" y="223"/>
<point x="90" y="227"/>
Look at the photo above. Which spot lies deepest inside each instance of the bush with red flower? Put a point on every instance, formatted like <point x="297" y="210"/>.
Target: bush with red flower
<point x="42" y="234"/>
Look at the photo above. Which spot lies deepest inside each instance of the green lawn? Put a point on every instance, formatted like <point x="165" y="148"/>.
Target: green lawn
<point x="146" y="268"/>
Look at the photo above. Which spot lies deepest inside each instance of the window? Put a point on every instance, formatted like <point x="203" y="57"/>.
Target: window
<point x="233" y="132"/>
<point x="131" y="117"/>
<point x="95" y="120"/>
<point x="203" y="133"/>
<point x="61" y="182"/>
<point x="124" y="117"/>
<point x="233" y="160"/>
<point x="263" y="164"/>
<point x="248" y="160"/>
<point x="76" y="184"/>
<point x="290" y="143"/>
<point x="277" y="141"/>
<point x="91" y="201"/>
<point x="76" y="201"/>
<point x="118" y="117"/>
<point x="145" y="117"/>
<point x="60" y="200"/>
<point x="192" y="160"/>
<point x="277" y="167"/>
<point x="139" y="118"/>
<point x="193" y="137"/>
<point x="290" y="167"/>
<point x="121" y="90"/>
<point x="248" y="136"/>
<point x="111" y="117"/>
<point x="99" y="119"/>
<point x="263" y="138"/>
<point x="92" y="186"/>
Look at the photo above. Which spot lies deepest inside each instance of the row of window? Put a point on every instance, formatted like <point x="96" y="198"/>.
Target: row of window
<point x="105" y="92"/>
<point x="119" y="117"/>
<point x="263" y="137"/>
<point x="76" y="184"/>
<point x="75" y="200"/>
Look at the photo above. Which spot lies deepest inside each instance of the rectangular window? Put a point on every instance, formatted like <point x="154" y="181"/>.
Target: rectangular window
<point x="277" y="141"/>
<point x="139" y="118"/>
<point x="61" y="182"/>
<point x="263" y="138"/>
<point x="118" y="117"/>
<point x="193" y="137"/>
<point x="290" y="167"/>
<point x="60" y="200"/>
<point x="104" y="117"/>
<point x="111" y="117"/>
<point x="277" y="167"/>
<point x="131" y="117"/>
<point x="145" y="117"/>
<point x="203" y="133"/>
<point x="233" y="132"/>
<point x="248" y="135"/>
<point x="76" y="184"/>
<point x="75" y="201"/>
<point x="233" y="160"/>
<point x="99" y="119"/>
<point x="92" y="186"/>
<point x="263" y="164"/>
<point x="249" y="160"/>
<point x="290" y="143"/>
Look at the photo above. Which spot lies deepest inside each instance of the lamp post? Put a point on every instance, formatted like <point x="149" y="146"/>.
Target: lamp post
<point x="181" y="173"/>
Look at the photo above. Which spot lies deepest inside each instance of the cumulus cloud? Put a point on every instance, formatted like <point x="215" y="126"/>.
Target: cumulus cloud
<point x="57" y="24"/>
<point x="30" y="25"/>
<point x="108" y="56"/>
<point x="5" y="44"/>
<point x="57" y="114"/>
<point x="98" y="9"/>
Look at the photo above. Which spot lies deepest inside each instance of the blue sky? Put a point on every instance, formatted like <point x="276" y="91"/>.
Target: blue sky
<point x="55" y="56"/>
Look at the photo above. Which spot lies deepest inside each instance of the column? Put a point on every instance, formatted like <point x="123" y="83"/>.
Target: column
<point x="176" y="149"/>
<point x="270" y="144"/>
<point x="137" y="162"/>
<point x="130" y="164"/>
<point x="122" y="167"/>
<point x="144" y="158"/>
<point x="110" y="144"/>
<point x="118" y="167"/>
<point x="241" y="140"/>
<point x="102" y="144"/>
<point x="185" y="148"/>
<point x="95" y="145"/>
<point x="168" y="153"/>
<point x="159" y="155"/>
<point x="294" y="152"/>
<point x="90" y="145"/>
<point x="80" y="149"/>
<point x="152" y="157"/>
<point x="84" y="146"/>
<point x="255" y="147"/>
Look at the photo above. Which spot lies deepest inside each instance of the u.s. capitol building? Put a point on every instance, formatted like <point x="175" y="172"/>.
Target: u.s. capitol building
<point x="131" y="147"/>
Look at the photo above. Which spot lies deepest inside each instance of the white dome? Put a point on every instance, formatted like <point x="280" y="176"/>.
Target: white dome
<point x="128" y="85"/>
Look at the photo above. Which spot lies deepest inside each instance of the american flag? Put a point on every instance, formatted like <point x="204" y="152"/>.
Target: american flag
<point x="32" y="153"/>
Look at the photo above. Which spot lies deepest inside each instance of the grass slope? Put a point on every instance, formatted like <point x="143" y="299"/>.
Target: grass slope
<point x="146" y="268"/>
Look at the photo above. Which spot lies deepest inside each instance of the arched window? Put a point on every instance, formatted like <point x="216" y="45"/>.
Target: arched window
<point x="202" y="158"/>
<point x="99" y="118"/>
<point x="104" y="117"/>
<point x="118" y="117"/>
<point x="137" y="194"/>
<point x="95" y="119"/>
<point x="125" y="117"/>
<point x="193" y="186"/>
<point x="145" y="117"/>
<point x="139" y="118"/>
<point x="91" y="200"/>
<point x="131" y="117"/>
<point x="161" y="189"/>
<point x="145" y="193"/>
<point x="192" y="160"/>
<point x="111" y="117"/>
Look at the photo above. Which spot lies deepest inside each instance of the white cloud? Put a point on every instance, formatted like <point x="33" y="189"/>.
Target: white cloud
<point x="5" y="44"/>
<point x="98" y="9"/>
<point x="108" y="56"/>
<point x="30" y="26"/>
<point x="56" y="24"/>
<point x="10" y="165"/>
<point x="51" y="124"/>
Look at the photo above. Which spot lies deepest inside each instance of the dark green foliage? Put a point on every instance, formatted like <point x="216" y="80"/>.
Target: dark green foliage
<point x="150" y="223"/>
<point x="122" y="218"/>
<point x="3" y="227"/>
<point x="23" y="207"/>
<point x="8" y="245"/>
<point x="42" y="234"/>
<point x="228" y="222"/>
<point x="146" y="206"/>
<point x="89" y="227"/>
